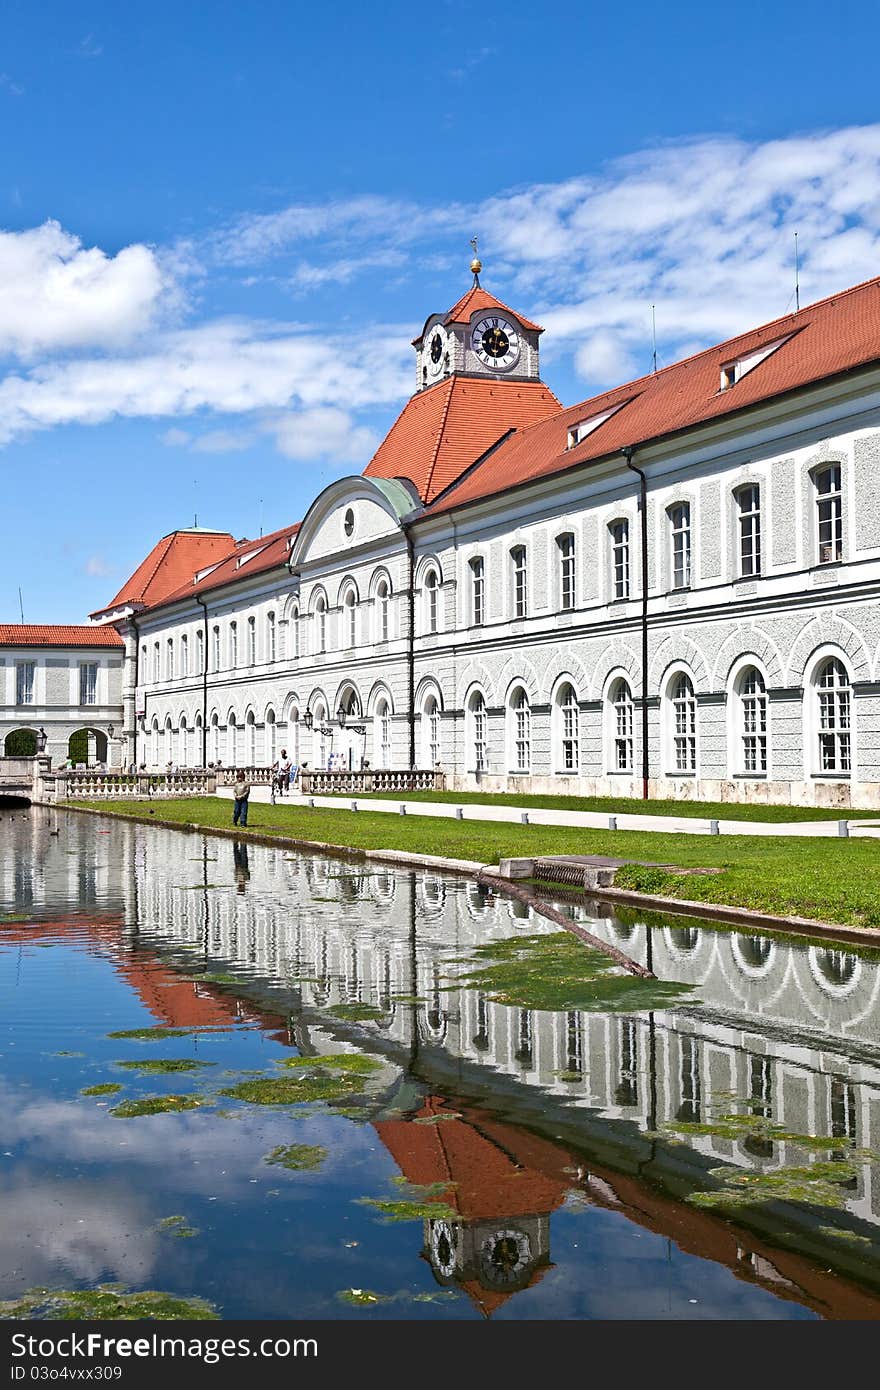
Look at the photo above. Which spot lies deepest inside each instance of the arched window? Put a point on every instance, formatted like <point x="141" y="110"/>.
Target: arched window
<point x="684" y="724"/>
<point x="829" y="513"/>
<point x="169" y="662"/>
<point x="215" y="649"/>
<point x="476" y="710"/>
<point x="520" y="731"/>
<point x="320" y="624"/>
<point x="383" y="607"/>
<point x="271" y="732"/>
<point x="834" y="699"/>
<point x="198" y="758"/>
<point x="432" y="585"/>
<point x="251" y="745"/>
<point x="232" y="742"/>
<point x="154" y="743"/>
<point x="155" y="661"/>
<point x="320" y="747"/>
<point x="752" y="694"/>
<point x="621" y="701"/>
<point x="214" y="746"/>
<point x="350" y="618"/>
<point x="430" y="732"/>
<point x="200" y="652"/>
<point x="567" y="594"/>
<point x="566" y="718"/>
<point x="382" y="733"/>
<point x="252" y="641"/>
<point x="271" y="638"/>
<point x="183" y="752"/>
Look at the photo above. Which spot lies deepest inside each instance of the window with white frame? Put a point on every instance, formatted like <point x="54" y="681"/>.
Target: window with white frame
<point x="252" y="641"/>
<point x="478" y="591"/>
<point x="271" y="731"/>
<point x="320" y="624"/>
<point x="477" y="740"/>
<point x="200" y="652"/>
<point x="834" y="698"/>
<point x="382" y="610"/>
<point x="684" y="724"/>
<point x="383" y="733"/>
<point x="753" y="722"/>
<point x="24" y="682"/>
<point x="232" y="741"/>
<point x="215" y="644"/>
<point x="567" y="591"/>
<point x="567" y="724"/>
<point x="215" y="738"/>
<point x="829" y="513"/>
<point x="319" y="738"/>
<point x="233" y="644"/>
<point x="520" y="731"/>
<point x="251" y="727"/>
<point x="519" y="583"/>
<point x="350" y="618"/>
<point x="183" y="752"/>
<point x="680" y="543"/>
<point x="748" y="510"/>
<point x="431" y="732"/>
<point x="621" y="726"/>
<point x="272" y="635"/>
<point x="432" y="585"/>
<point x="156" y="672"/>
<point x="184" y="655"/>
<point x="619" y="532"/>
<point x="88" y="683"/>
<point x="169" y="659"/>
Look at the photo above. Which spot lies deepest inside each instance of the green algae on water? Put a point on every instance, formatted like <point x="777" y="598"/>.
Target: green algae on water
<point x="816" y="1184"/>
<point x="353" y="1062"/>
<point x="150" y="1034"/>
<point x="356" y="1013"/>
<point x="410" y="1211"/>
<point x="556" y="972"/>
<point x="291" y="1090"/>
<point x="106" y="1088"/>
<point x="362" y="1297"/>
<point x="177" y="1226"/>
<point x="838" y="1232"/>
<point x="423" y="1190"/>
<point x="437" y="1119"/>
<point x="297" y="1157"/>
<point x="108" y="1301"/>
<point x="162" y="1066"/>
<point x="155" y="1105"/>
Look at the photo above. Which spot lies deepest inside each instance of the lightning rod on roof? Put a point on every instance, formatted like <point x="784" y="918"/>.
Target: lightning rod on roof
<point x="654" y="337"/>
<point x="20" y="604"/>
<point x="797" y="277"/>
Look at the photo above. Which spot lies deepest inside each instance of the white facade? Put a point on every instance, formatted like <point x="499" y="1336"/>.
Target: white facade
<point x="64" y="691"/>
<point x="502" y="640"/>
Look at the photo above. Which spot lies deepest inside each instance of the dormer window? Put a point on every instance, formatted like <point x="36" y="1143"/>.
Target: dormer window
<point x="734" y="371"/>
<point x="579" y="432"/>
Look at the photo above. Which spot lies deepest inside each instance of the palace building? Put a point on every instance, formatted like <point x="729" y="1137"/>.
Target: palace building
<point x="671" y="589"/>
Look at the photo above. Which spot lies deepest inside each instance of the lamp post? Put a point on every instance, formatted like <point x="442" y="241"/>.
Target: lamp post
<point x="42" y="738"/>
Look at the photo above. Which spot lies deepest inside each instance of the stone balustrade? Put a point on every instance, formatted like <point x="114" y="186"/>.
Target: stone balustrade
<point x="256" y="776"/>
<point x="121" y="786"/>
<point x="317" y="782"/>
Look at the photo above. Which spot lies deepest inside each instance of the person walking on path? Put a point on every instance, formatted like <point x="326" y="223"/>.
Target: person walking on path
<point x="240" y="791"/>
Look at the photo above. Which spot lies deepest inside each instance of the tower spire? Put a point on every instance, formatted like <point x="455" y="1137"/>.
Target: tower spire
<point x="476" y="264"/>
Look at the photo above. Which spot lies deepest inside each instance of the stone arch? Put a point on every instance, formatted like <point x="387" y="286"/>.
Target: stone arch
<point x="290" y="702"/>
<point x="678" y="650"/>
<point x="517" y="671"/>
<point x="827" y="630"/>
<point x="21" y="743"/>
<point x="428" y="685"/>
<point x="425" y="562"/>
<point x="475" y="673"/>
<point x="379" y="573"/>
<point x="378" y="692"/>
<point x="566" y="664"/>
<point x="347" y="584"/>
<point x="345" y="690"/>
<point x="747" y="641"/>
<point x="615" y="657"/>
<point x="316" y="696"/>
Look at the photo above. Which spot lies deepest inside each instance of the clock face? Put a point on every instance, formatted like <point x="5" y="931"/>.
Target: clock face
<point x="435" y="349"/>
<point x="496" y="342"/>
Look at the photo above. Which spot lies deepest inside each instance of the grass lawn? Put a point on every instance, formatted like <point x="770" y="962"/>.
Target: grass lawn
<point x="619" y="805"/>
<point x="835" y="880"/>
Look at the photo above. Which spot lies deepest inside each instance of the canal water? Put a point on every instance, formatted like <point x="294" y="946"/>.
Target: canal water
<point x="545" y="1140"/>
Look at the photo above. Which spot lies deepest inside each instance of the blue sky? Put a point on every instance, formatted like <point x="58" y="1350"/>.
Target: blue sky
<point x="220" y="227"/>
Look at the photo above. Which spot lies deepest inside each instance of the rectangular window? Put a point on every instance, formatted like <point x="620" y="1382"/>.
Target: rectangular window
<point x="184" y="655"/>
<point x="477" y="592"/>
<point x="680" y="524"/>
<point x="829" y="508"/>
<point x="155" y="661"/>
<point x="233" y="644"/>
<point x="567" y="597"/>
<point x="620" y="559"/>
<point x="252" y="641"/>
<point x="200" y="652"/>
<point x="748" y="501"/>
<point x="88" y="683"/>
<point x="215" y="648"/>
<point x="518" y="575"/>
<point x="24" y="682"/>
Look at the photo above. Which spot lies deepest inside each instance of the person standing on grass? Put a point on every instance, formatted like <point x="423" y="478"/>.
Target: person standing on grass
<point x="241" y="791"/>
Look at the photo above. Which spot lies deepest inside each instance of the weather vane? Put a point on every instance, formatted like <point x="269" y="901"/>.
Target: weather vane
<point x="476" y="263"/>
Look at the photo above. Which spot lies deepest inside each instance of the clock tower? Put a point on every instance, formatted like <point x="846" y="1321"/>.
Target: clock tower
<point x="478" y="337"/>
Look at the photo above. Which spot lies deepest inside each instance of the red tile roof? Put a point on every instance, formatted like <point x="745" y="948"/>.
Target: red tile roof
<point x="53" y="635"/>
<point x="441" y="431"/>
<point x="836" y="335"/>
<point x="171" y="562"/>
<point x="472" y="302"/>
<point x="268" y="552"/>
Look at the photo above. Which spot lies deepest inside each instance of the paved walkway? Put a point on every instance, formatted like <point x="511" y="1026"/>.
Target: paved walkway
<point x="595" y="820"/>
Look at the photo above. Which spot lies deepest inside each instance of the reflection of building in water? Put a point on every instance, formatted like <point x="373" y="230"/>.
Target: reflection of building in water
<point x="499" y="1180"/>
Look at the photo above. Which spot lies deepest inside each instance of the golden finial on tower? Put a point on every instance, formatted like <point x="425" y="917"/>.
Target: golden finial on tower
<point x="476" y="263"/>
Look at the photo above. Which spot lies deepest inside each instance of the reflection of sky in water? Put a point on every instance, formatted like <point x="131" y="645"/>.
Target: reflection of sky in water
<point x="83" y="1192"/>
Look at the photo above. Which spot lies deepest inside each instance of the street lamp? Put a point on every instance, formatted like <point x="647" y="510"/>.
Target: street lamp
<point x="42" y="738"/>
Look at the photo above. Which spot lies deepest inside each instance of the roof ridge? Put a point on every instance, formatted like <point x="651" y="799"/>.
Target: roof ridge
<point x="435" y="453"/>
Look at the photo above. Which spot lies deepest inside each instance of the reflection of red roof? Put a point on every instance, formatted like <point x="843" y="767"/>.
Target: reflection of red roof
<point x="52" y="635"/>
<point x="821" y="341"/>
<point x="443" y="430"/>
<point x="172" y="561"/>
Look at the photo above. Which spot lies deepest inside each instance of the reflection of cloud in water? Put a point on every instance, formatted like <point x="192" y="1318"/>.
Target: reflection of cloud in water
<point x="54" y="1232"/>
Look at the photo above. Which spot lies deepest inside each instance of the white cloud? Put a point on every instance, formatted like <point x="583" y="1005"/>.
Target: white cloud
<point x="96" y="565"/>
<point x="175" y="439"/>
<point x="325" y="432"/>
<point x="56" y="294"/>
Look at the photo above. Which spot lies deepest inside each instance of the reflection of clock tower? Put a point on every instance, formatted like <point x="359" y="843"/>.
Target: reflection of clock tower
<point x="478" y="337"/>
